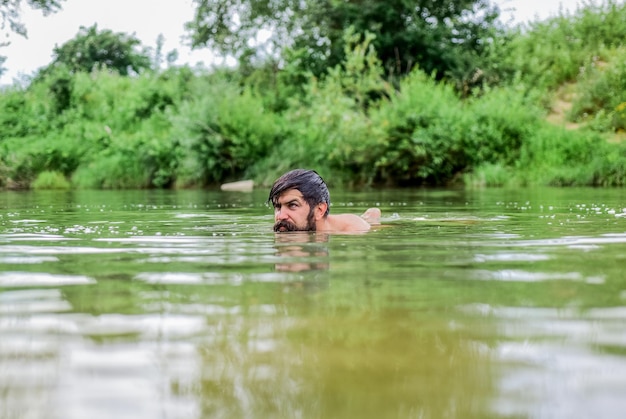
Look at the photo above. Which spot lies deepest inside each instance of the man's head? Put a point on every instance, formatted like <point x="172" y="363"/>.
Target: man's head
<point x="299" y="197"/>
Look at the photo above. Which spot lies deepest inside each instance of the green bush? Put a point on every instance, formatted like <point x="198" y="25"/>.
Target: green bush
<point x="424" y="125"/>
<point x="553" y="156"/>
<point x="24" y="112"/>
<point x="602" y="97"/>
<point x="112" y="171"/>
<point x="550" y="52"/>
<point x="181" y="128"/>
<point x="222" y="130"/>
<point x="51" y="180"/>
<point x="489" y="175"/>
<point x="146" y="158"/>
<point x="558" y="157"/>
<point x="619" y="117"/>
<point x="430" y="136"/>
<point x="330" y="128"/>
<point x="62" y="150"/>
<point x="498" y="123"/>
<point x="102" y="114"/>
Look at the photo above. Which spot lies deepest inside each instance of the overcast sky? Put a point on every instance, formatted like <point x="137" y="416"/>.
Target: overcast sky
<point x="146" y="19"/>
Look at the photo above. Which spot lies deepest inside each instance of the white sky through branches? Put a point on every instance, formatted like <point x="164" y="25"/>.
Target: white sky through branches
<point x="146" y="19"/>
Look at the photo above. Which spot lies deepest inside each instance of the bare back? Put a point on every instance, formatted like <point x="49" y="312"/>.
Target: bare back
<point x="347" y="223"/>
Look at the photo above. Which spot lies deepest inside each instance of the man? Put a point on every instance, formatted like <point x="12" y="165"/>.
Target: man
<point x="302" y="203"/>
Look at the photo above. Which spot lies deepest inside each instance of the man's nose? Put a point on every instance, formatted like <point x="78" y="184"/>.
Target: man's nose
<point x="280" y="214"/>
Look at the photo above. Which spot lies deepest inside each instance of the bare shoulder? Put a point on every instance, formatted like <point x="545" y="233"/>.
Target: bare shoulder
<point x="348" y="223"/>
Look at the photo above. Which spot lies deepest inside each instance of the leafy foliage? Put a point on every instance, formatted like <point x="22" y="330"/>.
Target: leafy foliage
<point x="451" y="38"/>
<point x="352" y="122"/>
<point x="222" y="130"/>
<point x="585" y="48"/>
<point x="602" y="97"/>
<point x="10" y="12"/>
<point x="113" y="133"/>
<point x="92" y="49"/>
<point x="551" y="52"/>
<point x="329" y="126"/>
<point x="554" y="156"/>
<point x="10" y="16"/>
<point x="51" y="180"/>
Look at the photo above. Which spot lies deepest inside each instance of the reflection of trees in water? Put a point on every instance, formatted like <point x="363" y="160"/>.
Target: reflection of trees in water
<point x="28" y="358"/>
<point x="336" y="359"/>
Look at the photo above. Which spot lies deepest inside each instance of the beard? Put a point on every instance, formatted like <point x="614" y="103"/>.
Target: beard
<point x="284" y="226"/>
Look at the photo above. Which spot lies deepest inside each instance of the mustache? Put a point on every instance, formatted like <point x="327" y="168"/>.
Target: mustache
<point x="286" y="225"/>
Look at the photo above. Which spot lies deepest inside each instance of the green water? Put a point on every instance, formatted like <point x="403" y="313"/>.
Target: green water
<point x="153" y="304"/>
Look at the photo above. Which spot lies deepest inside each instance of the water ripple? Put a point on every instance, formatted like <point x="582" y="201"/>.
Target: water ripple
<point x="41" y="279"/>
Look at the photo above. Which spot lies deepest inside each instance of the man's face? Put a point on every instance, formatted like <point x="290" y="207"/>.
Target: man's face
<point x="292" y="213"/>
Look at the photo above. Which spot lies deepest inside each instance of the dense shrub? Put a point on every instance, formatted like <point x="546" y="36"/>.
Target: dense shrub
<point x="145" y="158"/>
<point x="602" y="97"/>
<point x="183" y="128"/>
<point x="330" y="128"/>
<point x="423" y="125"/>
<point x="555" y="156"/>
<point x="432" y="136"/>
<point x="550" y="52"/>
<point x="51" y="180"/>
<point x="498" y="123"/>
<point x="222" y="130"/>
<point x="104" y="130"/>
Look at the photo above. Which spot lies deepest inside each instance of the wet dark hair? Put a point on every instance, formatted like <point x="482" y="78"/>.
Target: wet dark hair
<point x="308" y="182"/>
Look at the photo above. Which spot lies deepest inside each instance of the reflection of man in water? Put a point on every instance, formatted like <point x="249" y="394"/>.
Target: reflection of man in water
<point x="302" y="251"/>
<point x="302" y="203"/>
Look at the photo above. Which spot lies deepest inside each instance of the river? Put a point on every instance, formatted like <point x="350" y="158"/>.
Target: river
<point x="493" y="303"/>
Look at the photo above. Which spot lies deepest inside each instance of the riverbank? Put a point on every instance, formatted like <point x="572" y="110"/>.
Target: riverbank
<point x="552" y="116"/>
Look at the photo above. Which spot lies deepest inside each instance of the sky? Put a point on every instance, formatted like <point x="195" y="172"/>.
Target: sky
<point x="147" y="19"/>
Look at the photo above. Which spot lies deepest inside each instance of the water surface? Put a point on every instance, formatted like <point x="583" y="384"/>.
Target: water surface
<point x="163" y="304"/>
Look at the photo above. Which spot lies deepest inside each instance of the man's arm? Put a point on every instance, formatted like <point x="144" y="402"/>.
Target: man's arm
<point x="372" y="216"/>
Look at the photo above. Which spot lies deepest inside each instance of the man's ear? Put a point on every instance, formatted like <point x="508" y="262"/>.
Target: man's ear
<point x="320" y="210"/>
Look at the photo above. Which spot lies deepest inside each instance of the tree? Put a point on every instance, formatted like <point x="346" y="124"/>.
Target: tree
<point x="10" y="17"/>
<point x="10" y="12"/>
<point x="449" y="37"/>
<point x="92" y="49"/>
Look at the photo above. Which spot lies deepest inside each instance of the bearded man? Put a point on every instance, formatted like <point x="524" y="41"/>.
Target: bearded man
<point x="302" y="203"/>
